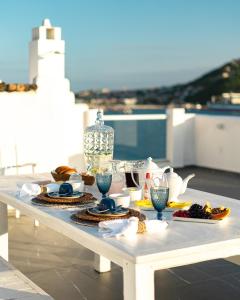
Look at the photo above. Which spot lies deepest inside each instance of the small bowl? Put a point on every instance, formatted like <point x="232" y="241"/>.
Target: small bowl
<point x="78" y="186"/>
<point x="121" y="199"/>
<point x="134" y="193"/>
<point x="60" y="177"/>
<point x="88" y="179"/>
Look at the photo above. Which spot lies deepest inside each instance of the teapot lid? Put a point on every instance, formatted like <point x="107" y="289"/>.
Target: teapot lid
<point x="173" y="174"/>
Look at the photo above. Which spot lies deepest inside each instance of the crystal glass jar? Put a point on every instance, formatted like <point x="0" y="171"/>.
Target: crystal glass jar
<point x="98" y="144"/>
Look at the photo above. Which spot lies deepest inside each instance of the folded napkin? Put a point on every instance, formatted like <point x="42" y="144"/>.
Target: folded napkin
<point x="33" y="189"/>
<point x="129" y="227"/>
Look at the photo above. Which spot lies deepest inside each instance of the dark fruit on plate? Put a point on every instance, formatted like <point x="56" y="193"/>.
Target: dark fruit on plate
<point x="181" y="213"/>
<point x="197" y="211"/>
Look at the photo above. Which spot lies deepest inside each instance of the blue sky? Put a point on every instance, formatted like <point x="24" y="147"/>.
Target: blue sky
<point x="127" y="43"/>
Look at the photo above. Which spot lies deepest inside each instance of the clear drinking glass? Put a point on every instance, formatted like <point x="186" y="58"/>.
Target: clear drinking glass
<point x="159" y="195"/>
<point x="118" y="179"/>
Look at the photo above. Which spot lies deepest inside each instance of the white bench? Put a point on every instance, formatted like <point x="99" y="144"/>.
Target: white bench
<point x="15" y="286"/>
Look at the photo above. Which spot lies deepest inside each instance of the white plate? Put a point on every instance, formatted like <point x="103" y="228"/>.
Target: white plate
<point x="196" y="220"/>
<point x="57" y="195"/>
<point x="177" y="208"/>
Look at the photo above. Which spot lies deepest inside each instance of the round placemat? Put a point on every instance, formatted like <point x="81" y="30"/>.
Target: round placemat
<point x="86" y="198"/>
<point x="84" y="216"/>
<point x="38" y="202"/>
<point x="84" y="223"/>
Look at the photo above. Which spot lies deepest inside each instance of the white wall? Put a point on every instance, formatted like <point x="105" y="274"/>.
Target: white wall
<point x="42" y="128"/>
<point x="46" y="126"/>
<point x="203" y="140"/>
<point x="217" y="142"/>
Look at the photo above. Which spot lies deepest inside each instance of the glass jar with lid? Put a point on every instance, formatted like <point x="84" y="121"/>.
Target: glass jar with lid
<point x="98" y="143"/>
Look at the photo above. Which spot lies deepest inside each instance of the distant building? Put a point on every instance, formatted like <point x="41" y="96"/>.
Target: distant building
<point x="227" y="98"/>
<point x="130" y="101"/>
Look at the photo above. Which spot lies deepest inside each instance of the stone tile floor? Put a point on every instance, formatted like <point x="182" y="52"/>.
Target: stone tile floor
<point x="65" y="270"/>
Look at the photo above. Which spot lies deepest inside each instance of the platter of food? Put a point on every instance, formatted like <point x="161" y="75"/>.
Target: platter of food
<point x="202" y="214"/>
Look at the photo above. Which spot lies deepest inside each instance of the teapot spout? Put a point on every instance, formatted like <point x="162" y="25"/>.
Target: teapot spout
<point x="185" y="182"/>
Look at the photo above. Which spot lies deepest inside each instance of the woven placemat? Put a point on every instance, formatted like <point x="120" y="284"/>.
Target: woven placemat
<point x="35" y="201"/>
<point x="83" y="216"/>
<point x="86" y="198"/>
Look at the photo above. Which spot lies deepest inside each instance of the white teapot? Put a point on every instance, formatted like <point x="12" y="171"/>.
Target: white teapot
<point x="177" y="185"/>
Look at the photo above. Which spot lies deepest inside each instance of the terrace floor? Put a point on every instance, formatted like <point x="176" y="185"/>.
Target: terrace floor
<point x="64" y="269"/>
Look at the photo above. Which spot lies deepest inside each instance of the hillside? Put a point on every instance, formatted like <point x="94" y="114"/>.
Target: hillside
<point x="221" y="80"/>
<point x="214" y="83"/>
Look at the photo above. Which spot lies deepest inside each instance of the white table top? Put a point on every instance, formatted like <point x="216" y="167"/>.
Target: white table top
<point x="180" y="244"/>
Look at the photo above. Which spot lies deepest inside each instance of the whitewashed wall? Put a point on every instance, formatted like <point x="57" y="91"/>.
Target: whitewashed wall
<point x="42" y="128"/>
<point x="217" y="141"/>
<point x="203" y="140"/>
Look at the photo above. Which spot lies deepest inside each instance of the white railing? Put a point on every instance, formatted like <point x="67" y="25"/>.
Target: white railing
<point x="135" y="117"/>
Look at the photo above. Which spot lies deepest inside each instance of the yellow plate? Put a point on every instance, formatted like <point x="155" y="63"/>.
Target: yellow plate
<point x="144" y="204"/>
<point x="147" y="204"/>
<point x="179" y="205"/>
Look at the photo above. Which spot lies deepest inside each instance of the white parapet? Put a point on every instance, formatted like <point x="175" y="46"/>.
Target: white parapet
<point x="180" y="137"/>
<point x="44" y="127"/>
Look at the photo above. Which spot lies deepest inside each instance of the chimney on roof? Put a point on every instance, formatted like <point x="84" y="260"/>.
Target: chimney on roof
<point x="46" y="54"/>
<point x="46" y="23"/>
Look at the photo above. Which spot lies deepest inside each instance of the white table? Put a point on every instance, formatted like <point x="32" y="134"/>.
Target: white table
<point x="181" y="244"/>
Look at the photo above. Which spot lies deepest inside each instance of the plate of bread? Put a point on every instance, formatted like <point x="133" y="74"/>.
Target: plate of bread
<point x="63" y="173"/>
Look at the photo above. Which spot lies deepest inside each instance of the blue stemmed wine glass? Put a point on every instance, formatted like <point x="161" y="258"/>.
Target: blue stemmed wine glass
<point x="159" y="196"/>
<point x="104" y="181"/>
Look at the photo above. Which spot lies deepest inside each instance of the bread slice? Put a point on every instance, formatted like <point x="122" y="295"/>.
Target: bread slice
<point x="65" y="170"/>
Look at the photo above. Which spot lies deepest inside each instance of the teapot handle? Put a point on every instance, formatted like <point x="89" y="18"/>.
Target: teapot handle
<point x="165" y="168"/>
<point x="133" y="179"/>
<point x="162" y="181"/>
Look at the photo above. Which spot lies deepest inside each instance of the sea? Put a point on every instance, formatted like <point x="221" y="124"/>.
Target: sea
<point x="139" y="139"/>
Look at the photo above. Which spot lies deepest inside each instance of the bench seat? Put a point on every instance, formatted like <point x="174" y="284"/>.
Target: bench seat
<point x="15" y="286"/>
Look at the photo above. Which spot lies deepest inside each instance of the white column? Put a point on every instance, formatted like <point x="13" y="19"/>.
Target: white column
<point x="175" y="136"/>
<point x="36" y="223"/>
<point x="101" y="264"/>
<point x="138" y="282"/>
<point x="17" y="214"/>
<point x="3" y="231"/>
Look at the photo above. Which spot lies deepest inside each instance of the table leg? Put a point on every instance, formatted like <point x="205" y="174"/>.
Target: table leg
<point x="138" y="282"/>
<point x="36" y="223"/>
<point x="101" y="264"/>
<point x="17" y="214"/>
<point x="3" y="231"/>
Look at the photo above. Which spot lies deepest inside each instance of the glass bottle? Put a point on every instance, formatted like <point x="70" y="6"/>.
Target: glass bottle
<point x="98" y="144"/>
